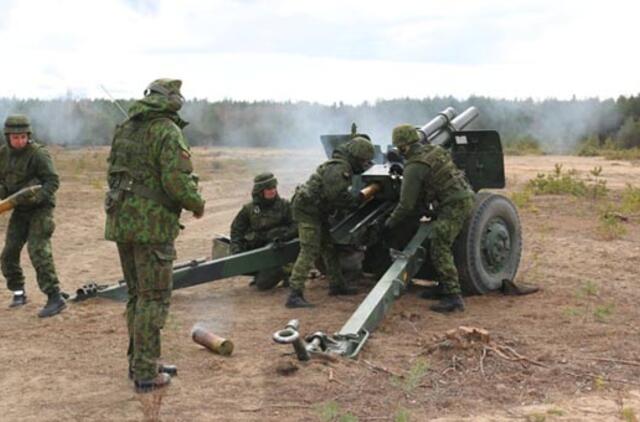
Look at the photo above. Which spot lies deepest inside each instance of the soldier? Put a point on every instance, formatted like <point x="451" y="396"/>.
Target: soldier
<point x="431" y="176"/>
<point x="326" y="192"/>
<point x="266" y="219"/>
<point x="150" y="181"/>
<point x="23" y="163"/>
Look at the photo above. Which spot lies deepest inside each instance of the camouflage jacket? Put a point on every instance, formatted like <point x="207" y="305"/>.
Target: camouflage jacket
<point x="29" y="166"/>
<point x="150" y="176"/>
<point x="326" y="191"/>
<point x="429" y="176"/>
<point x="258" y="223"/>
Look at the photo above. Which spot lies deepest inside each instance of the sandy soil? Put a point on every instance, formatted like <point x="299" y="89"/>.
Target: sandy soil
<point x="73" y="366"/>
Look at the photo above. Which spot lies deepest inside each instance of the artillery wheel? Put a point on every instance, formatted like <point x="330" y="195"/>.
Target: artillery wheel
<point x="489" y="247"/>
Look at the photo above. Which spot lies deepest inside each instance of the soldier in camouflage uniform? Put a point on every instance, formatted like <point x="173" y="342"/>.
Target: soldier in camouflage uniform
<point x="326" y="192"/>
<point x="266" y="219"/>
<point x="430" y="176"/>
<point x="150" y="181"/>
<point x="24" y="163"/>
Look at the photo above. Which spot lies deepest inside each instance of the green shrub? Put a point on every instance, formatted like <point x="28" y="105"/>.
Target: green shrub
<point x="526" y="145"/>
<point x="568" y="183"/>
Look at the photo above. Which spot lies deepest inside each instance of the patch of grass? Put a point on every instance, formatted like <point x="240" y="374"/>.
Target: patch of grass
<point x="331" y="412"/>
<point x="610" y="225"/>
<point x="523" y="146"/>
<point x="589" y="288"/>
<point x="561" y="182"/>
<point x="536" y="417"/>
<point x="402" y="415"/>
<point x="573" y="311"/>
<point x="413" y="377"/>
<point x="631" y="154"/>
<point x="602" y="312"/>
<point x="555" y="412"/>
<point x="629" y="415"/>
<point x="522" y="199"/>
<point x="630" y="199"/>
<point x="599" y="382"/>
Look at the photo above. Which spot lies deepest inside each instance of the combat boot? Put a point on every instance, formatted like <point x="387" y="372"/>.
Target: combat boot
<point x="433" y="292"/>
<point x="342" y="290"/>
<point x="18" y="299"/>
<point x="448" y="303"/>
<point x="296" y="300"/>
<point x="145" y="386"/>
<point x="54" y="305"/>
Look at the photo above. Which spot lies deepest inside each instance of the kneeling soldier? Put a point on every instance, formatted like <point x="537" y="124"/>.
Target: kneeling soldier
<point x="266" y="219"/>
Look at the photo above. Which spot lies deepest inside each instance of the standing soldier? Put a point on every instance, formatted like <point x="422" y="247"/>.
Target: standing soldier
<point x="24" y="163"/>
<point x="326" y="192"/>
<point x="266" y="219"/>
<point x="150" y="181"/>
<point x="431" y="176"/>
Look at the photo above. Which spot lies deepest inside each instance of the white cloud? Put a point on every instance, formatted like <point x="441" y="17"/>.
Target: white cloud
<point x="321" y="51"/>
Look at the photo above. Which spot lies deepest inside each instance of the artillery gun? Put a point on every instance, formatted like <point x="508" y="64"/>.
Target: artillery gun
<point x="487" y="252"/>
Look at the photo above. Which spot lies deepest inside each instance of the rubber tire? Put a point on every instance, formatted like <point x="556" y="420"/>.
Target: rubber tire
<point x="474" y="278"/>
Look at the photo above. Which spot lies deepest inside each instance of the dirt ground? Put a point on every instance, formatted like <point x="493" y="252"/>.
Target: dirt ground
<point x="577" y="341"/>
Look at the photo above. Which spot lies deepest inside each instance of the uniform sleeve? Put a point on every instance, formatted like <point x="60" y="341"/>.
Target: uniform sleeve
<point x="335" y="184"/>
<point x="291" y="227"/>
<point x="176" y="169"/>
<point x="411" y="187"/>
<point x="46" y="174"/>
<point x="239" y="227"/>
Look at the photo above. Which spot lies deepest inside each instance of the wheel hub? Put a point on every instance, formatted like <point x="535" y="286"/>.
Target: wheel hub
<point x="496" y="245"/>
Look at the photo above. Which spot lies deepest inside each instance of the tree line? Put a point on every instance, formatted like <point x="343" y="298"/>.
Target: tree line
<point x="555" y="125"/>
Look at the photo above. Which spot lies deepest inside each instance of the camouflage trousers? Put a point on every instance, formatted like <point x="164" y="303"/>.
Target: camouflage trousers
<point x="315" y="242"/>
<point x="448" y="224"/>
<point x="33" y="227"/>
<point x="148" y="272"/>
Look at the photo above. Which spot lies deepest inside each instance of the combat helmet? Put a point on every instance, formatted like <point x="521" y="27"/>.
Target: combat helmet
<point x="17" y="123"/>
<point x="404" y="135"/>
<point x="361" y="149"/>
<point x="360" y="152"/>
<point x="169" y="88"/>
<point x="264" y="181"/>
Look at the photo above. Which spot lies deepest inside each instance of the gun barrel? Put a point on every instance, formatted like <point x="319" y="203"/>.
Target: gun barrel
<point x="437" y="123"/>
<point x="457" y="124"/>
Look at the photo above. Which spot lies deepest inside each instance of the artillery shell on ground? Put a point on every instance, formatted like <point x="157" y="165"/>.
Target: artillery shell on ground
<point x="211" y="341"/>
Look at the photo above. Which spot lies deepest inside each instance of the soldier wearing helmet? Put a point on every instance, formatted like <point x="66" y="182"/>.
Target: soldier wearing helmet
<point x="326" y="191"/>
<point x="23" y="163"/>
<point x="150" y="182"/>
<point x="431" y="177"/>
<point x="266" y="219"/>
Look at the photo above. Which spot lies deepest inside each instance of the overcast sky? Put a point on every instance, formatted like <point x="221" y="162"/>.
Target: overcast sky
<point x="321" y="50"/>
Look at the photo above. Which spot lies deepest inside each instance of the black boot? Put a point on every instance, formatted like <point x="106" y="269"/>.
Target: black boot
<point x="145" y="386"/>
<point x="297" y="300"/>
<point x="433" y="292"/>
<point x="54" y="305"/>
<point x="448" y="303"/>
<point x="342" y="290"/>
<point x="18" y="300"/>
